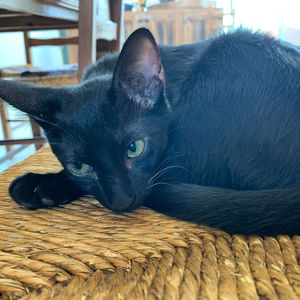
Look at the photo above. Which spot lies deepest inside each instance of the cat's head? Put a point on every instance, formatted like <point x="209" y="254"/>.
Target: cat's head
<point x="110" y="131"/>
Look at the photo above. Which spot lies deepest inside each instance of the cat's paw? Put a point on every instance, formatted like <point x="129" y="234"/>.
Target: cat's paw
<point x="22" y="190"/>
<point x="33" y="192"/>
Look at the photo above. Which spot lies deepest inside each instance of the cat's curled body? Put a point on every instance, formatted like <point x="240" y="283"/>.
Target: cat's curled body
<point x="206" y="132"/>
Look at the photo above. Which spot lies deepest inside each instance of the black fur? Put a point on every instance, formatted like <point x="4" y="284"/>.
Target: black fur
<point x="219" y="121"/>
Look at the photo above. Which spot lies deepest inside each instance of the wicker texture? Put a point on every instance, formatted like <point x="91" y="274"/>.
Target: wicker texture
<point x="84" y="251"/>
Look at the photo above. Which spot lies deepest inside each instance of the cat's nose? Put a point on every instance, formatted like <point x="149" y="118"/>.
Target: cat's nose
<point x="120" y="200"/>
<point x="121" y="203"/>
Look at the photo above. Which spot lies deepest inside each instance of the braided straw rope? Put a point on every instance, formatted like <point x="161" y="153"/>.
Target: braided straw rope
<point x="84" y="251"/>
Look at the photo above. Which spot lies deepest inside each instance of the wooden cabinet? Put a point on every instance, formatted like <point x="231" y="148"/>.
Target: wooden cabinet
<point x="175" y="26"/>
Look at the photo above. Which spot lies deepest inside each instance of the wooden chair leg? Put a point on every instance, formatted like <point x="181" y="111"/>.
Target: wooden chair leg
<point x="87" y="34"/>
<point x="5" y="125"/>
<point x="27" y="47"/>
<point x="116" y="15"/>
<point x="115" y="8"/>
<point x="36" y="131"/>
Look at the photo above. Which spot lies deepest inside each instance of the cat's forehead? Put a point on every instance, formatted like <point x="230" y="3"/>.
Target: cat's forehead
<point x="85" y="102"/>
<point x="102" y="121"/>
<point x="94" y="111"/>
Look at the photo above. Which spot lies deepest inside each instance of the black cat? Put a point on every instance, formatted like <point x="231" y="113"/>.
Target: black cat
<point x="207" y="132"/>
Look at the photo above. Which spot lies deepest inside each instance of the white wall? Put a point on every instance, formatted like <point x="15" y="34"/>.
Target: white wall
<point x="46" y="56"/>
<point x="268" y="15"/>
<point x="12" y="52"/>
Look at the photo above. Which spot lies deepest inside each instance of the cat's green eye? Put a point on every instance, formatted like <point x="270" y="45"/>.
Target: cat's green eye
<point x="135" y="149"/>
<point x="79" y="169"/>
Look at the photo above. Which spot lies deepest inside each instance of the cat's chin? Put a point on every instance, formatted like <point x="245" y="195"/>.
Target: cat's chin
<point x="120" y="206"/>
<point x="123" y="208"/>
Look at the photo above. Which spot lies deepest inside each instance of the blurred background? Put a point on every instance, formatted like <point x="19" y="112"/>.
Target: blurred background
<point x="171" y="22"/>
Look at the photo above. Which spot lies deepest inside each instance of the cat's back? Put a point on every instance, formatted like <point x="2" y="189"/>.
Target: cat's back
<point x="248" y="51"/>
<point x="247" y="65"/>
<point x="239" y="109"/>
<point x="177" y="62"/>
<point x="104" y="66"/>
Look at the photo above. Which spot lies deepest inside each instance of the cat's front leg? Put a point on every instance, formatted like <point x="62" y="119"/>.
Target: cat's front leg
<point x="43" y="190"/>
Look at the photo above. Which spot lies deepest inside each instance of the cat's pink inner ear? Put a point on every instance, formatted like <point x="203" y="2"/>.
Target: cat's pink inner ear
<point x="139" y="74"/>
<point x="148" y="59"/>
<point x="140" y="56"/>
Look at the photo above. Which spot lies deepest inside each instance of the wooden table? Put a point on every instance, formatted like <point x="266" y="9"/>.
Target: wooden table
<point x="28" y="15"/>
<point x="84" y="251"/>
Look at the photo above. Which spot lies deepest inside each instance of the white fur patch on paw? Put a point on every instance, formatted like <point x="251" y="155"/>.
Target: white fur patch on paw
<point x="27" y="205"/>
<point x="47" y="202"/>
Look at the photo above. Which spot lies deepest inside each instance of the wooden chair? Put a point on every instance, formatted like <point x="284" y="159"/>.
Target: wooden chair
<point x="28" y="15"/>
<point x="37" y="138"/>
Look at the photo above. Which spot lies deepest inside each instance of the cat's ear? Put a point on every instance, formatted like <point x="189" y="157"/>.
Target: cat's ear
<point x="139" y="73"/>
<point x="37" y="101"/>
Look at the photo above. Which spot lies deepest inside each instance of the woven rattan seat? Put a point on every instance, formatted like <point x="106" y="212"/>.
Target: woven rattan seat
<point x="84" y="251"/>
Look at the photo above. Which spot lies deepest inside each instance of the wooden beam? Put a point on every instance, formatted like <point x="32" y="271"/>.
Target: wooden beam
<point x="12" y="15"/>
<point x="5" y="125"/>
<point x="87" y="34"/>
<point x="53" y="42"/>
<point x="27" y="47"/>
<point x="64" y="3"/>
<point x="5" y="11"/>
<point x="39" y="8"/>
<point x="33" y="23"/>
<point x="115" y="8"/>
<point x="35" y="140"/>
<point x="16" y="121"/>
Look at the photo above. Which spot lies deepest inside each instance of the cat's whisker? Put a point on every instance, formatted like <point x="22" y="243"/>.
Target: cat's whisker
<point x="163" y="170"/>
<point x="46" y="121"/>
<point x="169" y="158"/>
<point x="160" y="183"/>
<point x="54" y="125"/>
